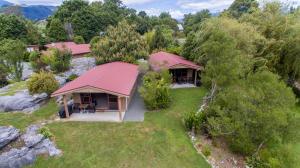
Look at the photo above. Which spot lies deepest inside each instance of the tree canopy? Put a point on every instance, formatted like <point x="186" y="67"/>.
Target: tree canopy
<point x="120" y="43"/>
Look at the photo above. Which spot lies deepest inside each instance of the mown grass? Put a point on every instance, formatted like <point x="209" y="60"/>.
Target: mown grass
<point x="22" y="120"/>
<point x="297" y="145"/>
<point x="158" y="142"/>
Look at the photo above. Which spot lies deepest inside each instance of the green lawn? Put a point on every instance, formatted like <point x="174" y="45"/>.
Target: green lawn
<point x="22" y="120"/>
<point x="297" y="146"/>
<point x="158" y="142"/>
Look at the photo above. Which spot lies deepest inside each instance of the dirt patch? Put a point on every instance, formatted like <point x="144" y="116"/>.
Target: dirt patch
<point x="220" y="155"/>
<point x="18" y="144"/>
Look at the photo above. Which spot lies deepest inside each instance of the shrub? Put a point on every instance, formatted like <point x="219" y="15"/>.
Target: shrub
<point x="36" y="61"/>
<point x="174" y="49"/>
<point x="79" y="40"/>
<point x="94" y="41"/>
<point x="45" y="131"/>
<point x="43" y="82"/>
<point x="26" y="56"/>
<point x="206" y="150"/>
<point x="60" y="60"/>
<point x="193" y="119"/>
<point x="155" y="90"/>
<point x="3" y="75"/>
<point x="72" y="77"/>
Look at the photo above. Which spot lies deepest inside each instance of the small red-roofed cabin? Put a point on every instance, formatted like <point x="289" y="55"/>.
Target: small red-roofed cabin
<point x="182" y="70"/>
<point x="77" y="50"/>
<point x="105" y="88"/>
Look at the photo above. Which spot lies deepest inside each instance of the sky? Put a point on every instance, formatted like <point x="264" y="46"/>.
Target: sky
<point x="177" y="8"/>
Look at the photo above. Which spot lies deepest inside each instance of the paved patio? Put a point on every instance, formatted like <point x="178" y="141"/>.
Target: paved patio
<point x="92" y="117"/>
<point x="178" y="86"/>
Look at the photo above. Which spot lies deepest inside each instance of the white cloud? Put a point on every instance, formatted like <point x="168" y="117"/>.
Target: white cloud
<point x="130" y="2"/>
<point x="156" y="12"/>
<point x="213" y="5"/>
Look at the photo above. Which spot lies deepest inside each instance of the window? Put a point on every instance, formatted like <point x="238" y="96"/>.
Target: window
<point x="85" y="98"/>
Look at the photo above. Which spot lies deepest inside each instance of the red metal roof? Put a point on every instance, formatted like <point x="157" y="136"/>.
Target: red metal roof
<point x="116" y="77"/>
<point x="166" y="60"/>
<point x="76" y="49"/>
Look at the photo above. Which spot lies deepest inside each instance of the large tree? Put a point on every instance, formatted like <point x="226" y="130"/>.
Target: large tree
<point x="120" y="43"/>
<point x="192" y="22"/>
<point x="252" y="113"/>
<point x="13" y="27"/>
<point x="11" y="57"/>
<point x="282" y="31"/>
<point x="56" y="31"/>
<point x="240" y="7"/>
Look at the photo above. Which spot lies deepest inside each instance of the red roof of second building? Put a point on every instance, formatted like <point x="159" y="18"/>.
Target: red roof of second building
<point x="167" y="60"/>
<point x="76" y="49"/>
<point x="116" y="77"/>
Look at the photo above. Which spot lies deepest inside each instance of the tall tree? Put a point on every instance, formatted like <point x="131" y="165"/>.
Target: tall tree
<point x="158" y="41"/>
<point x="56" y="31"/>
<point x="240" y="7"/>
<point x="12" y="27"/>
<point x="120" y="43"/>
<point x="11" y="57"/>
<point x="192" y="22"/>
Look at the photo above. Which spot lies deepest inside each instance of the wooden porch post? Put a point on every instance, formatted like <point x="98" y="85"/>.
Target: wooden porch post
<point x="120" y="108"/>
<point x="196" y="77"/>
<point x="66" y="106"/>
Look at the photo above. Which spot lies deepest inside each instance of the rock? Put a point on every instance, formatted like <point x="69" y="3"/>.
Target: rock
<point x="31" y="137"/>
<point x="27" y="71"/>
<point x="17" y="158"/>
<point x="21" y="101"/>
<point x="78" y="67"/>
<point x="8" y="134"/>
<point x="35" y="144"/>
<point x="61" y="80"/>
<point x="47" y="146"/>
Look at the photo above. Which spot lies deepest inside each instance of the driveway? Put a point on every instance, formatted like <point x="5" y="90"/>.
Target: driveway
<point x="136" y="109"/>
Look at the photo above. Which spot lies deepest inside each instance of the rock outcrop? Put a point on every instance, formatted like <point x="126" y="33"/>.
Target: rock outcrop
<point x="21" y="101"/>
<point x="8" y="134"/>
<point x="35" y="144"/>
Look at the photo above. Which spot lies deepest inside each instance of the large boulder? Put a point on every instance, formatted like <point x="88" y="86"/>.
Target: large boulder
<point x="17" y="158"/>
<point x="31" y="136"/>
<point x="35" y="144"/>
<point x="21" y="101"/>
<point x="8" y="134"/>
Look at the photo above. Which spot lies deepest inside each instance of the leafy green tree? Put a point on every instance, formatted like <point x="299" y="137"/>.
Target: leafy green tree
<point x="158" y="41"/>
<point x="36" y="61"/>
<point x="281" y="30"/>
<point x="192" y="22"/>
<point x="253" y="113"/>
<point x="59" y="60"/>
<point x="121" y="43"/>
<point x="86" y="24"/>
<point x="11" y="57"/>
<point x="247" y="40"/>
<point x="12" y="27"/>
<point x="79" y="40"/>
<point x="240" y="7"/>
<point x="56" y="31"/>
<point x="155" y="90"/>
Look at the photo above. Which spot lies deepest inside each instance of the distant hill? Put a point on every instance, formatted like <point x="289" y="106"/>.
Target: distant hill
<point x="5" y="3"/>
<point x="32" y="12"/>
<point x="37" y="12"/>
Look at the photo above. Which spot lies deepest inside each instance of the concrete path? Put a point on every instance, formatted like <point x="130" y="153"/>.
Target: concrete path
<point x="136" y="109"/>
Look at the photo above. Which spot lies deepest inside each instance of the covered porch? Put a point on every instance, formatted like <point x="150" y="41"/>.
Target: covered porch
<point x="184" y="76"/>
<point x="95" y="106"/>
